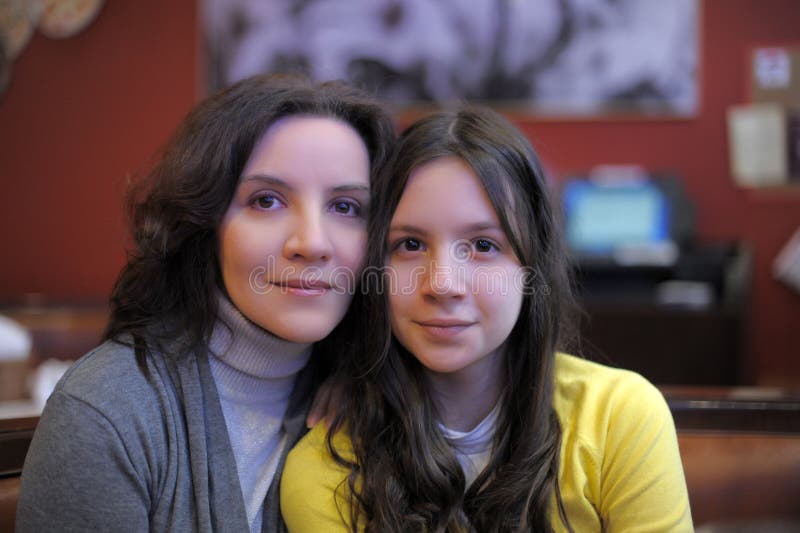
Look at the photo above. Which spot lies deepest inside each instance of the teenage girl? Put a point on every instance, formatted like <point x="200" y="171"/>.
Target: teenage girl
<point x="248" y="237"/>
<point x="461" y="413"/>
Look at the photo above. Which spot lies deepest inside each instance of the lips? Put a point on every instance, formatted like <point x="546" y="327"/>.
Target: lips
<point x="444" y="328"/>
<point x="304" y="284"/>
<point x="445" y="323"/>
<point x="303" y="287"/>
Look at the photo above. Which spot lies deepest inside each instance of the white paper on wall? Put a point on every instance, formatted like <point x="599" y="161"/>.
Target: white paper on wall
<point x="786" y="266"/>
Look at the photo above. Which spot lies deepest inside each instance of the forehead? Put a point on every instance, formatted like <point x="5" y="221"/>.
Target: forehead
<point x="444" y="193"/>
<point x="310" y="146"/>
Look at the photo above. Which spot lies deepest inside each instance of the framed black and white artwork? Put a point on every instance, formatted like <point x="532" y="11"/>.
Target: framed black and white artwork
<point x="550" y="57"/>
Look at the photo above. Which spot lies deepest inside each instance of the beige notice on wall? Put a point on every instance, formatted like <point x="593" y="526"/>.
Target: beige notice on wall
<point x="758" y="144"/>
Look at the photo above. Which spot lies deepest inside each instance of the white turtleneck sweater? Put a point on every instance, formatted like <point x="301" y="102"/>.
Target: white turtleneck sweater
<point x="255" y="373"/>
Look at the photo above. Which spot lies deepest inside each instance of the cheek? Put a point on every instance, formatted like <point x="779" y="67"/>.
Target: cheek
<point x="243" y="248"/>
<point x="394" y="304"/>
<point x="398" y="316"/>
<point x="230" y="253"/>
<point x="500" y="293"/>
<point x="403" y="281"/>
<point x="399" y="303"/>
<point x="351" y="244"/>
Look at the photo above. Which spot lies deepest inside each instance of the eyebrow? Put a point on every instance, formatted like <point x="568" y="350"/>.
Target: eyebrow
<point x="277" y="182"/>
<point x="351" y="188"/>
<point x="469" y="228"/>
<point x="268" y="180"/>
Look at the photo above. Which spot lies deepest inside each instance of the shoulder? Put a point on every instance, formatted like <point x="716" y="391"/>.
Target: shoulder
<point x="104" y="374"/>
<point x="591" y="398"/>
<point x="314" y="494"/>
<point x="109" y="382"/>
<point x="311" y="459"/>
<point x="579" y="382"/>
<point x="111" y="360"/>
<point x="619" y="449"/>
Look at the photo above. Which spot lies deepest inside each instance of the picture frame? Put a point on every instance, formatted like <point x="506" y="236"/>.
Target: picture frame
<point x="551" y="58"/>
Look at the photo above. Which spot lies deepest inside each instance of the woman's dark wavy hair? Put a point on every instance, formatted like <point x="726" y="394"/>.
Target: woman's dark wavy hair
<point x="166" y="291"/>
<point x="405" y="476"/>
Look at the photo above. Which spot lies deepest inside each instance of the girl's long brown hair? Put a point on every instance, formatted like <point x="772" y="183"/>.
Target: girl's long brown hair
<point x="405" y="476"/>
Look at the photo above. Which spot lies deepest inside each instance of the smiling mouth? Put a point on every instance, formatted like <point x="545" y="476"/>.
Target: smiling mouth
<point x="444" y="328"/>
<point x="300" y="287"/>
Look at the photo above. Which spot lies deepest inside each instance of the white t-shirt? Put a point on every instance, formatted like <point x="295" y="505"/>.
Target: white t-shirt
<point x="473" y="448"/>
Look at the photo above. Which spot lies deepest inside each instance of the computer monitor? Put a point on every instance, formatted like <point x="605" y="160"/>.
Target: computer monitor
<point x="604" y="217"/>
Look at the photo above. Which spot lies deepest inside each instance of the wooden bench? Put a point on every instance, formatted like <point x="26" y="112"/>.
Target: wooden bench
<point x="15" y="437"/>
<point x="740" y="450"/>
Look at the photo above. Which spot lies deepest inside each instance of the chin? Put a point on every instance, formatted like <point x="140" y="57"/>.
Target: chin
<point x="300" y="327"/>
<point x="444" y="369"/>
<point x="299" y="331"/>
<point x="447" y="361"/>
<point x="305" y="338"/>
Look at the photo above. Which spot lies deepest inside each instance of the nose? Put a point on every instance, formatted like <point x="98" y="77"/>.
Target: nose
<point x="445" y="278"/>
<point x="308" y="238"/>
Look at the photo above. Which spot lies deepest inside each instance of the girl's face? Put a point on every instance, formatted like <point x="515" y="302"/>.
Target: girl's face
<point x="456" y="283"/>
<point x="293" y="240"/>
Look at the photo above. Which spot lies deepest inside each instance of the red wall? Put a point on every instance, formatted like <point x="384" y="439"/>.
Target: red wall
<point x="83" y="113"/>
<point x="80" y="115"/>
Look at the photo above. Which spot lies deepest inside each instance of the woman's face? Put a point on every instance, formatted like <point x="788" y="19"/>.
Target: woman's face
<point x="457" y="284"/>
<point x="293" y="240"/>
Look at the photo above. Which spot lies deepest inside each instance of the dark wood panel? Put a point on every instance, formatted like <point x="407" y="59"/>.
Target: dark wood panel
<point x="15" y="438"/>
<point x="667" y="346"/>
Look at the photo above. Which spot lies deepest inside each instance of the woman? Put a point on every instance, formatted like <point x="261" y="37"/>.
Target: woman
<point x="248" y="237"/>
<point x="461" y="414"/>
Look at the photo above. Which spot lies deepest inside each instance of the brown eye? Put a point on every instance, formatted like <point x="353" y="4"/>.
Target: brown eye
<point x="412" y="245"/>
<point x="346" y="207"/>
<point x="483" y="246"/>
<point x="266" y="201"/>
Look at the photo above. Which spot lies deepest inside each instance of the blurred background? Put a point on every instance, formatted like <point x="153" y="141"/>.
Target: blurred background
<point x="81" y="115"/>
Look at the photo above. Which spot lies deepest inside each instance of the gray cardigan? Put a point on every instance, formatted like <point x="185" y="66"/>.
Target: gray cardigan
<point x="116" y="450"/>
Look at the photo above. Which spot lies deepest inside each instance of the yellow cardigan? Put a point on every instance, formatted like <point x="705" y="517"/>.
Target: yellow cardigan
<point x="620" y="468"/>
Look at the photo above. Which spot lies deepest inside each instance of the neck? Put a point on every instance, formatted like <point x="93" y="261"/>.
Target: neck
<point x="251" y="350"/>
<point x="466" y="397"/>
